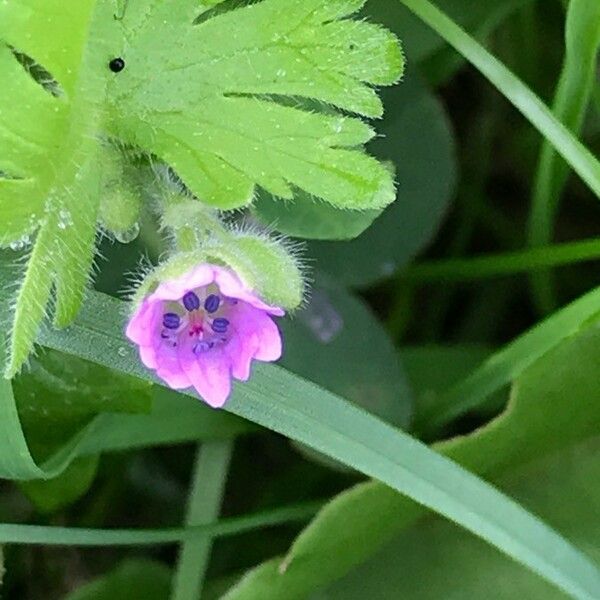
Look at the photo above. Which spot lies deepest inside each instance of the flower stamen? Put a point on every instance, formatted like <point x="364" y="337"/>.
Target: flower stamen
<point x="220" y="325"/>
<point x="191" y="301"/>
<point x="212" y="302"/>
<point x="171" y="320"/>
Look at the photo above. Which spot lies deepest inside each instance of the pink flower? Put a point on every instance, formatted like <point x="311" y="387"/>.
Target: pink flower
<point x="203" y="328"/>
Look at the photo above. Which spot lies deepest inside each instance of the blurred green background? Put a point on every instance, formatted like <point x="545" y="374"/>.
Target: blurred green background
<point x="465" y="163"/>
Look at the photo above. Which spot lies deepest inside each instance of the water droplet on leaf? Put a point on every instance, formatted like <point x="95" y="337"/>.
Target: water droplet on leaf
<point x="21" y="243"/>
<point x="128" y="235"/>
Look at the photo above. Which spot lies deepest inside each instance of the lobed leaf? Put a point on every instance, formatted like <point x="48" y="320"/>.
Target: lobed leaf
<point x="231" y="124"/>
<point x="223" y="110"/>
<point x="416" y="134"/>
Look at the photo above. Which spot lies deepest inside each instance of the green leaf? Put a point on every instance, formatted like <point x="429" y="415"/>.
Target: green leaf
<point x="566" y="144"/>
<point x="310" y="218"/>
<point x="308" y="414"/>
<point x="76" y="432"/>
<point x="419" y="42"/>
<point x="501" y="368"/>
<point x="337" y="342"/>
<point x="226" y="128"/>
<point x="416" y="136"/>
<point x="59" y="394"/>
<point x="572" y="96"/>
<point x="57" y="493"/>
<point x="150" y="579"/>
<point x="564" y="489"/>
<point x="358" y="522"/>
<point x="481" y="21"/>
<point x="48" y="128"/>
<point x="113" y="432"/>
<point x="57" y="397"/>
<point x="30" y="306"/>
<point x="432" y="369"/>
<point x="192" y="421"/>
<point x="218" y="108"/>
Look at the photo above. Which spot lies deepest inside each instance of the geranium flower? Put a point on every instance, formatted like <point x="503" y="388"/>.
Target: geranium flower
<point x="202" y="328"/>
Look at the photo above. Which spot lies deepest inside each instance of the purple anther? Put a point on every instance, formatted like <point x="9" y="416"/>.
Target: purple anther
<point x="201" y="347"/>
<point x="211" y="304"/>
<point x="171" y="320"/>
<point x="220" y="325"/>
<point x="191" y="301"/>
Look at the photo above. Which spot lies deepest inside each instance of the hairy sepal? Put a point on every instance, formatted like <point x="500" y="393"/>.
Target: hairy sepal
<point x="267" y="266"/>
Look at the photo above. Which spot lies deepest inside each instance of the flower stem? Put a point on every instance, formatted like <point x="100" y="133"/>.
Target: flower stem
<point x="206" y="492"/>
<point x="191" y="222"/>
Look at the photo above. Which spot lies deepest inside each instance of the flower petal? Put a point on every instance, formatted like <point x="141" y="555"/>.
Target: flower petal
<point x="165" y="362"/>
<point x="170" y="371"/>
<point x="270" y="346"/>
<point x="148" y="356"/>
<point x="174" y="289"/>
<point x="141" y="328"/>
<point x="231" y="285"/>
<point x="176" y="379"/>
<point x="209" y="373"/>
<point x="250" y="321"/>
<point x="254" y="335"/>
<point x="241" y="351"/>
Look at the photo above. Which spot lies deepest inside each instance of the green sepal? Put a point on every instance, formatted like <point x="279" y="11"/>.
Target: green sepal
<point x="265" y="265"/>
<point x="273" y="268"/>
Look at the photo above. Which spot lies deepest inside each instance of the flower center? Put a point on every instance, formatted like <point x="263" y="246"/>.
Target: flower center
<point x="200" y="317"/>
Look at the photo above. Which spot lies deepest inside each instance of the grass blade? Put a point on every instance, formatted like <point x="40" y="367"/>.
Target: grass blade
<point x="306" y="413"/>
<point x="573" y="151"/>
<point x="208" y="483"/>
<point x="573" y="94"/>
<point x="80" y="536"/>
<point x="508" y="263"/>
<point x="504" y="366"/>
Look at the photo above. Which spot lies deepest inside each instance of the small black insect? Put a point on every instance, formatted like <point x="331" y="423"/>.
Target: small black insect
<point x="116" y="65"/>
